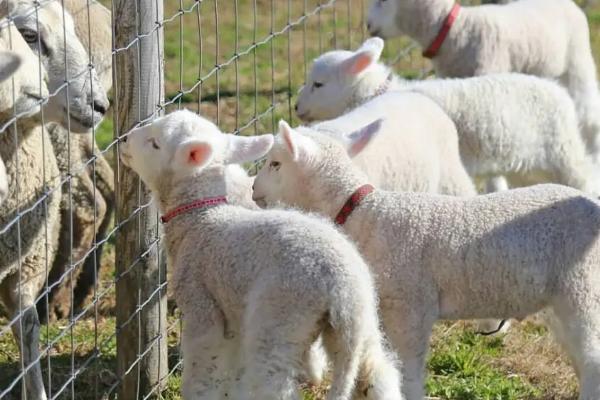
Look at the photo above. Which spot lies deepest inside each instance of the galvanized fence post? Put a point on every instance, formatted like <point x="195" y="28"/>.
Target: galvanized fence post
<point x="141" y="276"/>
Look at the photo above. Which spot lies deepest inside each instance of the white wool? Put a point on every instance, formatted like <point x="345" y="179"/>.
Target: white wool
<point x="417" y="149"/>
<point x="515" y="125"/>
<point x="256" y="287"/>
<point x="547" y="38"/>
<point x="502" y="255"/>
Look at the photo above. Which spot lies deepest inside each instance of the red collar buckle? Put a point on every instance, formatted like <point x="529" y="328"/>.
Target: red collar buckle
<point x="434" y="47"/>
<point x="194" y="205"/>
<point x="352" y="203"/>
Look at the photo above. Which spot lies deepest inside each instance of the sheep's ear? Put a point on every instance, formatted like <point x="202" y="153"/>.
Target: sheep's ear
<point x="299" y="147"/>
<point x="358" y="140"/>
<point x="195" y="153"/>
<point x="244" y="149"/>
<point x="9" y="64"/>
<point x="364" y="57"/>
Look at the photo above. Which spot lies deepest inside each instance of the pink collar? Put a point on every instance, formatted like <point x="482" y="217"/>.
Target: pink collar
<point x="434" y="47"/>
<point x="352" y="203"/>
<point x="194" y="205"/>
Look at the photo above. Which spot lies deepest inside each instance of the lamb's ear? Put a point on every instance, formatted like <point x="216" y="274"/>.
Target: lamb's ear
<point x="364" y="57"/>
<point x="242" y="149"/>
<point x="195" y="153"/>
<point x="9" y="64"/>
<point x="299" y="147"/>
<point x="358" y="140"/>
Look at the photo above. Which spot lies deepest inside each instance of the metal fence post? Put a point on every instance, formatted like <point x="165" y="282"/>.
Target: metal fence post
<point x="141" y="295"/>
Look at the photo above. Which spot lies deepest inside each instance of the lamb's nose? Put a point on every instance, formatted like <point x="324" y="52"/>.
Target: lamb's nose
<point x="124" y="139"/>
<point x="369" y="26"/>
<point x="253" y="186"/>
<point x="296" y="107"/>
<point x="99" y="107"/>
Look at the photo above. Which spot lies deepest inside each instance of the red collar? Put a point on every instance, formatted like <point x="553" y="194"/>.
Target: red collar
<point x="434" y="47"/>
<point x="202" y="203"/>
<point x="352" y="203"/>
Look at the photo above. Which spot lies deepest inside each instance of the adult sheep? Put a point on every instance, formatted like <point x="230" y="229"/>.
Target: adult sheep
<point x="548" y="38"/>
<point x="86" y="211"/>
<point x="29" y="216"/>
<point x="503" y="255"/>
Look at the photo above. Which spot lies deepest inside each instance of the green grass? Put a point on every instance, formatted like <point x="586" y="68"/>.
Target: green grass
<point x="524" y="364"/>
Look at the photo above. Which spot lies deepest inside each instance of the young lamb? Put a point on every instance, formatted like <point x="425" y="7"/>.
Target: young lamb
<point x="27" y="246"/>
<point x="534" y="139"/>
<point x="417" y="149"/>
<point x="255" y="287"/>
<point x="86" y="210"/>
<point x="504" y="255"/>
<point x="548" y="38"/>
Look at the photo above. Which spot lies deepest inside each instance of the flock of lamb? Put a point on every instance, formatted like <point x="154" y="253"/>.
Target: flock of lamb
<point x="371" y="228"/>
<point x="43" y="46"/>
<point x="272" y="293"/>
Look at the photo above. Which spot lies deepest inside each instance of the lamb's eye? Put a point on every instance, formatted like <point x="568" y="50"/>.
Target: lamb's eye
<point x="154" y="144"/>
<point x="275" y="165"/>
<point x="29" y="35"/>
<point x="317" y="85"/>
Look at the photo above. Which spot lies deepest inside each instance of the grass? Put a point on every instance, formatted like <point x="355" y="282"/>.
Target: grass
<point x="250" y="94"/>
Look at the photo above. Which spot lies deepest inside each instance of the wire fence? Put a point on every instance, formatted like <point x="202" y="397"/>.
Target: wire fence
<point x="97" y="282"/>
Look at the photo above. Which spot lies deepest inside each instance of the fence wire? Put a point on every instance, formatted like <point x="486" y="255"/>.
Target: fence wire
<point x="236" y="62"/>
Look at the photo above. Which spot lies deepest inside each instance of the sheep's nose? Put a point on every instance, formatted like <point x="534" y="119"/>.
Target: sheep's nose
<point x="124" y="138"/>
<point x="253" y="186"/>
<point x="100" y="107"/>
<point x="296" y="107"/>
<point x="369" y="26"/>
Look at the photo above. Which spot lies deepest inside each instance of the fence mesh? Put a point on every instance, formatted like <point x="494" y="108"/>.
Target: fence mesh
<point x="236" y="62"/>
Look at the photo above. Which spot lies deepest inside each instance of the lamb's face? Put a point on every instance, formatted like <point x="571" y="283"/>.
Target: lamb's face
<point x="381" y="20"/>
<point x="183" y="144"/>
<point x="288" y="166"/>
<point x="328" y="89"/>
<point x="23" y="93"/>
<point x="301" y="160"/>
<point x="50" y="32"/>
<point x="333" y="82"/>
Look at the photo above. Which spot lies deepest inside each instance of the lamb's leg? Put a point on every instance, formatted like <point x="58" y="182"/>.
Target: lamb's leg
<point x="409" y="334"/>
<point x="496" y="184"/>
<point x="26" y="332"/>
<point x="206" y="352"/>
<point x="578" y="330"/>
<point x="316" y="363"/>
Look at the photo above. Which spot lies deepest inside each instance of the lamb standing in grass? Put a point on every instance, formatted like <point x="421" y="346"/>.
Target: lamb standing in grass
<point x="503" y="255"/>
<point x="264" y="283"/>
<point x="519" y="126"/>
<point x="27" y="247"/>
<point x="417" y="149"/>
<point x="548" y="38"/>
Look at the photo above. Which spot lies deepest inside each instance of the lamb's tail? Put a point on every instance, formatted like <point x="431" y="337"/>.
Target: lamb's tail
<point x="356" y="346"/>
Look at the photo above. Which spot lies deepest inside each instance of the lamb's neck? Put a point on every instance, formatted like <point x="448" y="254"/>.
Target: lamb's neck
<point x="376" y="82"/>
<point x="423" y="19"/>
<point x="333" y="191"/>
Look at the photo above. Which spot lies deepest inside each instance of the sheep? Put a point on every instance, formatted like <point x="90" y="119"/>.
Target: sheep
<point x="86" y="210"/>
<point x="417" y="150"/>
<point x="503" y="255"/>
<point x="9" y="64"/>
<point x="26" y="246"/>
<point x="548" y="38"/>
<point x="268" y="282"/>
<point x="513" y="125"/>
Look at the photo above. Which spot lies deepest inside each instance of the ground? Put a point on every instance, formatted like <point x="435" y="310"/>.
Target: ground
<point x="248" y="95"/>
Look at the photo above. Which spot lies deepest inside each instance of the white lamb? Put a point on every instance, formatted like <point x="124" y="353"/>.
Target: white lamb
<point x="255" y="287"/>
<point x="516" y="125"/>
<point x="548" y="38"/>
<point x="503" y="255"/>
<point x="417" y="149"/>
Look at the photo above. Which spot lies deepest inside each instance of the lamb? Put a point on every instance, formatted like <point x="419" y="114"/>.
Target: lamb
<point x="268" y="283"/>
<point x="27" y="246"/>
<point x="418" y="147"/>
<point x="502" y="255"/>
<point x="534" y="139"/>
<point x="86" y="212"/>
<point x="547" y="38"/>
